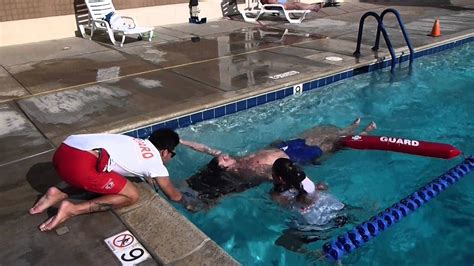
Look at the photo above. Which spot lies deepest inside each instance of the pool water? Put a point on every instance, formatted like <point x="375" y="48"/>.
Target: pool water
<point x="435" y="102"/>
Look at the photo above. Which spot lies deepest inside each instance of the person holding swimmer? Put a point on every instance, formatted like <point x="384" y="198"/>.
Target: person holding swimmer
<point x="225" y="174"/>
<point x="315" y="211"/>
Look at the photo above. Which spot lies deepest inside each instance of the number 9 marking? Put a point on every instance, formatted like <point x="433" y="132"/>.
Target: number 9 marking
<point x="132" y="255"/>
<point x="298" y="89"/>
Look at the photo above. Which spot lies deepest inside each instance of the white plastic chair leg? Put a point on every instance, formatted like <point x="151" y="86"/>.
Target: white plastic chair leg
<point x="92" y="32"/>
<point x="291" y="20"/>
<point x="112" y="37"/>
<point x="295" y="20"/>
<point x="304" y="16"/>
<point x="83" y="31"/>
<point x="150" y="35"/>
<point x="123" y="40"/>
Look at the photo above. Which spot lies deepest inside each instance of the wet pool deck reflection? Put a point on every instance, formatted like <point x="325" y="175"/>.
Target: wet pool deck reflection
<point x="52" y="89"/>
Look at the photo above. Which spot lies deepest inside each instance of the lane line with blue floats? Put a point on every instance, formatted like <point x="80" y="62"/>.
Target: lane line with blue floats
<point x="364" y="232"/>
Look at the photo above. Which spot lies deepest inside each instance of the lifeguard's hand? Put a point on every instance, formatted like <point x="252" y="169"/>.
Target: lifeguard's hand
<point x="191" y="202"/>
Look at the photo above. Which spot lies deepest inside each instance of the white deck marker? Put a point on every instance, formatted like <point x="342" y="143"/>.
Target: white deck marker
<point x="334" y="58"/>
<point x="126" y="248"/>
<point x="284" y="75"/>
<point x="298" y="89"/>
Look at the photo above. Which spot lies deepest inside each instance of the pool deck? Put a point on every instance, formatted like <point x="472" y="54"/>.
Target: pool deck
<point x="52" y="89"/>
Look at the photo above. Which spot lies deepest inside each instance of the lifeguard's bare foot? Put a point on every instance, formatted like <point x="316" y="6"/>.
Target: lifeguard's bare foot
<point x="65" y="212"/>
<point x="52" y="196"/>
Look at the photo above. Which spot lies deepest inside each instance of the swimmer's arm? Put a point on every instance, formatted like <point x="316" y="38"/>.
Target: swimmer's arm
<point x="200" y="147"/>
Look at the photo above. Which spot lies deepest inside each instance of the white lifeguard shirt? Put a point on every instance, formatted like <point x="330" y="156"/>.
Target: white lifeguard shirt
<point x="128" y="156"/>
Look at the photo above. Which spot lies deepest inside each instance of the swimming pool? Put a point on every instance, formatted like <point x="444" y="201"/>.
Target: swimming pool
<point x="434" y="102"/>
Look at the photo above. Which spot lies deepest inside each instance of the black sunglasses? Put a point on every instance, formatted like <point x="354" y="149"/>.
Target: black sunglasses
<point x="172" y="153"/>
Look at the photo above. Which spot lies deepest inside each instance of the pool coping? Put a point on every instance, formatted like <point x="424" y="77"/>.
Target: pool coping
<point x="207" y="250"/>
<point x="196" y="249"/>
<point x="261" y="96"/>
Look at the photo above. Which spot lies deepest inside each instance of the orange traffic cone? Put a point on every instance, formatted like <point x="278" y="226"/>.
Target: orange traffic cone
<point x="436" y="31"/>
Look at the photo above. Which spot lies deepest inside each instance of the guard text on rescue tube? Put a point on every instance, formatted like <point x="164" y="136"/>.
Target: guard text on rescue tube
<point x="400" y="141"/>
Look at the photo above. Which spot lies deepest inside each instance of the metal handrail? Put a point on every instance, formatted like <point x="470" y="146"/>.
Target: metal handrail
<point x="402" y="27"/>
<point x="380" y="28"/>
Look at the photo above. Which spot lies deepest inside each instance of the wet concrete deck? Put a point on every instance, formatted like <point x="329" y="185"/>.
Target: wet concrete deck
<point x="52" y="89"/>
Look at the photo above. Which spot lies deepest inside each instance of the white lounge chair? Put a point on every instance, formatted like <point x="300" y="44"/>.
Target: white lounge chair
<point x="99" y="9"/>
<point x="255" y="9"/>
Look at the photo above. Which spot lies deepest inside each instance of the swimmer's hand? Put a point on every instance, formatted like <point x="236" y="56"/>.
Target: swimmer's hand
<point x="321" y="186"/>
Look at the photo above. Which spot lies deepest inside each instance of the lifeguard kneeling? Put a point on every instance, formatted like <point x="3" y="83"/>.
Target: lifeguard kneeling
<point x="98" y="163"/>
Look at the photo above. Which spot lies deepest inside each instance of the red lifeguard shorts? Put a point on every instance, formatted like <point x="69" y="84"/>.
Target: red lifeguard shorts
<point x="80" y="169"/>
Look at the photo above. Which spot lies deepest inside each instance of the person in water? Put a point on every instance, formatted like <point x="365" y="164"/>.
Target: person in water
<point x="226" y="174"/>
<point x="315" y="210"/>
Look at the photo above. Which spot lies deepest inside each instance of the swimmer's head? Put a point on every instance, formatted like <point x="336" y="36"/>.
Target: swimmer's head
<point x="286" y="175"/>
<point x="212" y="182"/>
<point x="222" y="161"/>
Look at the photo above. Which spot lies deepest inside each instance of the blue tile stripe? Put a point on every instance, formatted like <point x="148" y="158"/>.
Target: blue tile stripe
<point x="245" y="104"/>
<point x="420" y="53"/>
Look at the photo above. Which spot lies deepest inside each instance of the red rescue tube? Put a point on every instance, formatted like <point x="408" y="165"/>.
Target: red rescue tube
<point x="417" y="147"/>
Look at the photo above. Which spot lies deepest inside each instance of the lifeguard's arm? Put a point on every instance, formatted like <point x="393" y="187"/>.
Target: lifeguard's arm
<point x="200" y="147"/>
<point x="165" y="184"/>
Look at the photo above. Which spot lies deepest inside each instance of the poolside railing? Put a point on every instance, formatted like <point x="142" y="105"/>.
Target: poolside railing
<point x="381" y="29"/>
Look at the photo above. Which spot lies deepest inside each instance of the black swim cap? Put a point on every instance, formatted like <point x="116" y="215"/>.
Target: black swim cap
<point x="289" y="172"/>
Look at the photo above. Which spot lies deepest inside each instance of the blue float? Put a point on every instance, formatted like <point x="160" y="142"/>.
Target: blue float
<point x="361" y="234"/>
